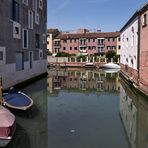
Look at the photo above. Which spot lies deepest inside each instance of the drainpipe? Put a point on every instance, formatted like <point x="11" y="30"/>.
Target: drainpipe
<point x="138" y="51"/>
<point x="1" y="93"/>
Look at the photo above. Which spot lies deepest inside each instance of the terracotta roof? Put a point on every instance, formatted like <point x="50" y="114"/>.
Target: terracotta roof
<point x="54" y="32"/>
<point x="88" y="35"/>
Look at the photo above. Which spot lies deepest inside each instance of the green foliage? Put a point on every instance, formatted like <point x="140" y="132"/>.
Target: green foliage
<point x="64" y="54"/>
<point x="49" y="53"/>
<point x="116" y="57"/>
<point x="81" y="57"/>
<point x="110" y="54"/>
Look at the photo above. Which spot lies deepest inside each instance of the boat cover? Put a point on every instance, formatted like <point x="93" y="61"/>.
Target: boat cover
<point x="17" y="99"/>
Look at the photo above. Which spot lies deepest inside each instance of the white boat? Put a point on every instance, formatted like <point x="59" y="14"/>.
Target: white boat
<point x="111" y="70"/>
<point x="90" y="65"/>
<point x="111" y="66"/>
<point x="7" y="126"/>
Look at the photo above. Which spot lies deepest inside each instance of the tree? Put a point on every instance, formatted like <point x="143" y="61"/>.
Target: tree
<point x="110" y="54"/>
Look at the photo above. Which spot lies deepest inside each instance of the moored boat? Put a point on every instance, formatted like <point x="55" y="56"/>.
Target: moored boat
<point x="7" y="126"/>
<point x="17" y="100"/>
<point x="90" y="65"/>
<point x="110" y="66"/>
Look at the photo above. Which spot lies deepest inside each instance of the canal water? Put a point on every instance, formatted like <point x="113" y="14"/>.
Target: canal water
<point x="78" y="108"/>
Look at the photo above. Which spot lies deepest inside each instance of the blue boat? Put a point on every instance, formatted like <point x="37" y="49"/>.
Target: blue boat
<point x="17" y="100"/>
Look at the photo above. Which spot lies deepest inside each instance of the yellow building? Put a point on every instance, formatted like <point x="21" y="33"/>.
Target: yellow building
<point x="51" y="34"/>
<point x="118" y="45"/>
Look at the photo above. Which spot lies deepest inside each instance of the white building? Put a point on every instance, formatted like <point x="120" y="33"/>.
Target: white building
<point x="129" y="43"/>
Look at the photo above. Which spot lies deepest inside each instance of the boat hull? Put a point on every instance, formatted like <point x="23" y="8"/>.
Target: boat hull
<point x="4" y="142"/>
<point x="110" y="66"/>
<point x="7" y="126"/>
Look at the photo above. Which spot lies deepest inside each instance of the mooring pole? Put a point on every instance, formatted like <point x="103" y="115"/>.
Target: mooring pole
<point x="1" y="93"/>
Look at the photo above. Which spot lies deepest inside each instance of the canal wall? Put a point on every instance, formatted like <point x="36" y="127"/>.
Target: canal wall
<point x="143" y="91"/>
<point x="10" y="77"/>
<point x="73" y="62"/>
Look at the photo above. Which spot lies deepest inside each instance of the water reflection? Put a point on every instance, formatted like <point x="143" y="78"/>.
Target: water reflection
<point x="31" y="131"/>
<point x="85" y="80"/>
<point x="83" y="109"/>
<point x="134" y="114"/>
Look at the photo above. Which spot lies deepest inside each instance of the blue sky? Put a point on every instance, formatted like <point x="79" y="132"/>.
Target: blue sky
<point x="107" y="15"/>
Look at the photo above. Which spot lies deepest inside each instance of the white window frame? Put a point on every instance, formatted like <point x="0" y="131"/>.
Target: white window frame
<point x="144" y="21"/>
<point x="23" y="38"/>
<point x="15" y="34"/>
<point x="25" y="2"/>
<point x="35" y="5"/>
<point x="3" y="50"/>
<point x="40" y="53"/>
<point x="41" y="4"/>
<point x="37" y="18"/>
<point x="44" y="39"/>
<point x="30" y="19"/>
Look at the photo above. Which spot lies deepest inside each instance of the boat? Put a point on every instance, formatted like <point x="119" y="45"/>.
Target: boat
<point x="7" y="126"/>
<point x="17" y="100"/>
<point x="111" y="70"/>
<point x="90" y="65"/>
<point x="110" y="66"/>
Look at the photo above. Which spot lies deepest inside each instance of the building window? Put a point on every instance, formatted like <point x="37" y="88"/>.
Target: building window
<point x="94" y="47"/>
<point x="144" y="20"/>
<point x="25" y="38"/>
<point x="75" y="48"/>
<point x="44" y="39"/>
<point x="25" y="2"/>
<point x="64" y="41"/>
<point x="93" y="40"/>
<point x="30" y="59"/>
<point x="64" y="48"/>
<point x="89" y="47"/>
<point x="113" y="39"/>
<point x="126" y="42"/>
<point x="15" y="11"/>
<point x="37" y="40"/>
<point x="19" y="61"/>
<point x="2" y="55"/>
<point x="30" y="19"/>
<point x="37" y="18"/>
<point x="70" y="48"/>
<point x="75" y="40"/>
<point x="88" y="40"/>
<point x="40" y="54"/>
<point x="41" y="4"/>
<point x="108" y="39"/>
<point x="119" y="47"/>
<point x="16" y="30"/>
<point x="119" y="39"/>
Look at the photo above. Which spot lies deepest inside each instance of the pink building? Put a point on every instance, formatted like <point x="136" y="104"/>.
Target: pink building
<point x="86" y="42"/>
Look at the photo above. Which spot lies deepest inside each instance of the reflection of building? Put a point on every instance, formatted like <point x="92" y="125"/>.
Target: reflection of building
<point x="83" y="80"/>
<point x="134" y="114"/>
<point x="128" y="112"/>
